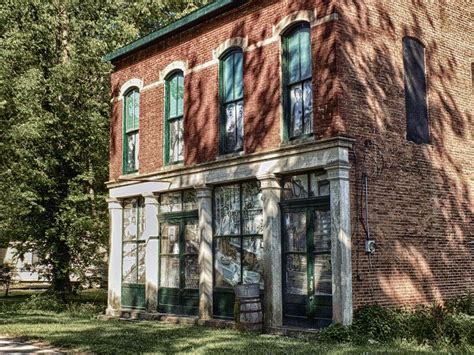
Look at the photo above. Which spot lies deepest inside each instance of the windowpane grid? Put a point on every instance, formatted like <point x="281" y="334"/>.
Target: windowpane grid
<point x="232" y="106"/>
<point x="299" y="90"/>
<point x="133" y="248"/>
<point x="174" y="129"/>
<point x="131" y="136"/>
<point x="238" y="246"/>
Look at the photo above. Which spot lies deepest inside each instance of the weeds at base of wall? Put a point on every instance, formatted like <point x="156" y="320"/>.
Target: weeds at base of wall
<point x="431" y="325"/>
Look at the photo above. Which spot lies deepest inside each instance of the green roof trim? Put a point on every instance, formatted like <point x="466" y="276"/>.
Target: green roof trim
<point x="183" y="23"/>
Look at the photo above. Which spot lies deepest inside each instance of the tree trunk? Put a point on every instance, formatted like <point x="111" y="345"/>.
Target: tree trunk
<point x="61" y="283"/>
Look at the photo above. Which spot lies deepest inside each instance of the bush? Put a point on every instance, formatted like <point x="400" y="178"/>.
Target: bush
<point x="50" y="303"/>
<point x="84" y="310"/>
<point x="437" y="325"/>
<point x="433" y="325"/>
<point x="462" y="304"/>
<point x="42" y="302"/>
<point x="378" y="323"/>
<point x="336" y="333"/>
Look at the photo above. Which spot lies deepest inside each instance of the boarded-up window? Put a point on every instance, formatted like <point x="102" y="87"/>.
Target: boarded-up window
<point x="415" y="91"/>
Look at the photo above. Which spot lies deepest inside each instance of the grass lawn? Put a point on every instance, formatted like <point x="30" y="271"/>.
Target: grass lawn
<point x="67" y="331"/>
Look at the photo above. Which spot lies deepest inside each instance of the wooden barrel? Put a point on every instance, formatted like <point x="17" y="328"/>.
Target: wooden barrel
<point x="248" y="308"/>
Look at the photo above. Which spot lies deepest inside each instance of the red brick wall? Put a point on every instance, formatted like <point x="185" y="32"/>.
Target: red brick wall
<point x="262" y="93"/>
<point x="420" y="196"/>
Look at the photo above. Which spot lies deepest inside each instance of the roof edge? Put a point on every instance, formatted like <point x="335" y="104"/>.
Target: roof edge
<point x="183" y="23"/>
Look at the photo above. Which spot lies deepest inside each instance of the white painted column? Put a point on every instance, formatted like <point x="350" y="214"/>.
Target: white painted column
<point x="204" y="196"/>
<point x="151" y="234"/>
<point x="272" y="263"/>
<point x="338" y="175"/>
<point x="115" y="257"/>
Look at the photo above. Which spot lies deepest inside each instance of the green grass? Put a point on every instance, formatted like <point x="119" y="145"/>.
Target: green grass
<point x="69" y="331"/>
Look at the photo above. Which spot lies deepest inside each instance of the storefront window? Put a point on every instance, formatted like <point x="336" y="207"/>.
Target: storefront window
<point x="133" y="250"/>
<point x="305" y="185"/>
<point x="178" y="201"/>
<point x="238" y="247"/>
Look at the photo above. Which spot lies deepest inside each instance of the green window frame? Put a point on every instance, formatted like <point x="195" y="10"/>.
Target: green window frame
<point x="297" y="82"/>
<point x="231" y="97"/>
<point x="131" y="121"/>
<point x="174" y="117"/>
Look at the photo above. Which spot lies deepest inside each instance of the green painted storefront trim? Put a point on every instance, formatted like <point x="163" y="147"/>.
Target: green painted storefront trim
<point x="187" y="21"/>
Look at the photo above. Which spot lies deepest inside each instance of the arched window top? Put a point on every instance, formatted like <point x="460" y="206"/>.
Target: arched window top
<point x="301" y="16"/>
<point x="297" y="40"/>
<point x="230" y="44"/>
<point x="130" y="85"/>
<point x="172" y="68"/>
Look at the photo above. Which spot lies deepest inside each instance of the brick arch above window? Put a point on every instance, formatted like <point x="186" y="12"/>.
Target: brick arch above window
<point x="234" y="42"/>
<point x="177" y="65"/>
<point x="130" y="84"/>
<point x="293" y="18"/>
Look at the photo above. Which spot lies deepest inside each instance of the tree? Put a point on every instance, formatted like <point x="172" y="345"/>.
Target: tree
<point x="54" y="113"/>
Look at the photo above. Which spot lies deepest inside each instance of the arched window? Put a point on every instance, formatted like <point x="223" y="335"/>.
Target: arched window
<point x="231" y="101"/>
<point x="415" y="91"/>
<point x="131" y="131"/>
<point x="297" y="79"/>
<point x="174" y="130"/>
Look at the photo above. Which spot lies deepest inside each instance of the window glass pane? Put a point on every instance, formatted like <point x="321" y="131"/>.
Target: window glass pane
<point x="238" y="75"/>
<point x="227" y="262"/>
<point x="191" y="237"/>
<point x="136" y="109"/>
<point x="295" y="229"/>
<point x="308" y="107"/>
<point x="322" y="275"/>
<point x="228" y="78"/>
<point x="296" y="110"/>
<point x="252" y="261"/>
<point x="129" y="262"/>
<point x="170" y="202"/>
<point x="189" y="200"/>
<point x="252" y="214"/>
<point x="231" y="127"/>
<point x="323" y="188"/>
<point x="240" y="125"/>
<point x="293" y="57"/>
<point x="173" y="96"/>
<point x="305" y="52"/>
<point x="141" y="220"/>
<point x="130" y="211"/>
<point x="169" y="271"/>
<point x="295" y="187"/>
<point x="227" y="210"/>
<point x="180" y="94"/>
<point x="319" y="184"/>
<point x="191" y="272"/>
<point x="169" y="238"/>
<point x="322" y="232"/>
<point x="141" y="263"/>
<point x="176" y="140"/>
<point x="132" y="151"/>
<point x="296" y="276"/>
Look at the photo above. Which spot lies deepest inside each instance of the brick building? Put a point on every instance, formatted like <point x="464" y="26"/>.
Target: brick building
<point x="266" y="142"/>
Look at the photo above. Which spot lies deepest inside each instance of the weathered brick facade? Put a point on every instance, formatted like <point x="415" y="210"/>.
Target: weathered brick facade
<point x="420" y="197"/>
